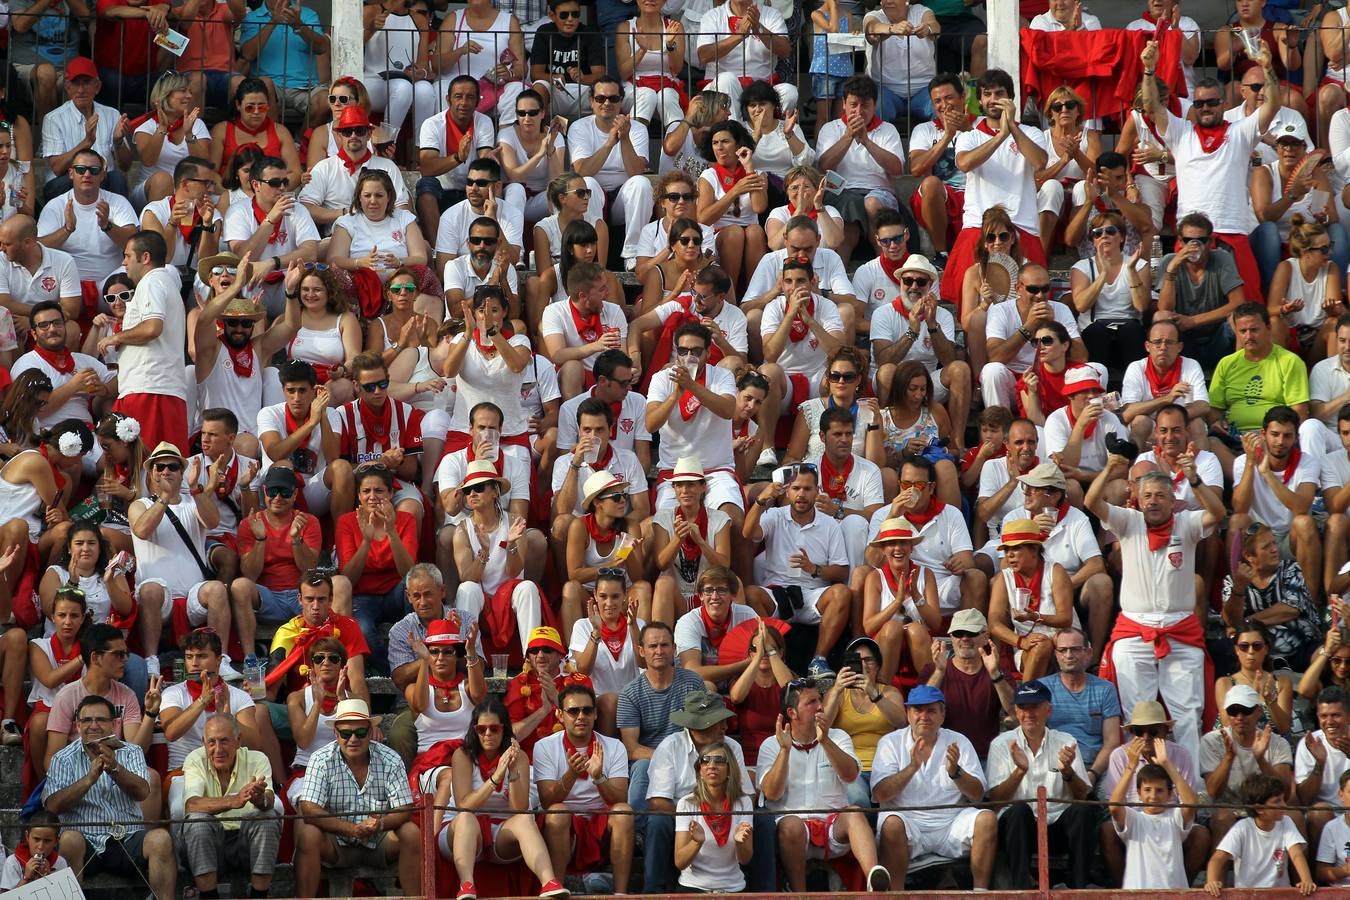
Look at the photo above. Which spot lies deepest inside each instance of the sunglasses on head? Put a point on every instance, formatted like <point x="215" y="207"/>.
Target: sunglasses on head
<point x="278" y="183"/>
<point x="348" y="733"/>
<point x="316" y="267"/>
<point x="1104" y="229"/>
<point x="844" y="377"/>
<point x="677" y="196"/>
<point x="915" y="281"/>
<point x="69" y="590"/>
<point x="609" y="571"/>
<point x="332" y="658"/>
<point x="371" y="387"/>
<point x="123" y="296"/>
<point x="82" y="169"/>
<point x="484" y="729"/>
<point x="167" y="467"/>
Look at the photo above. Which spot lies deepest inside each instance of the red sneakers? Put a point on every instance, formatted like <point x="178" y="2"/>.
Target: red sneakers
<point x="555" y="889"/>
<point x="467" y="892"/>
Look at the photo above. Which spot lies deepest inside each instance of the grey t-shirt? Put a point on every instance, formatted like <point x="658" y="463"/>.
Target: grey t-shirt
<point x="1244" y="762"/>
<point x="643" y="707"/>
<point x="50" y="40"/>
<point x="1221" y="276"/>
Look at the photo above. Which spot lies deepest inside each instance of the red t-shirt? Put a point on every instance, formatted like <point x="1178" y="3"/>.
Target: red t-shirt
<point x="279" y="572"/>
<point x="380" y="574"/>
<point x="123" y="45"/>
<point x="757" y="716"/>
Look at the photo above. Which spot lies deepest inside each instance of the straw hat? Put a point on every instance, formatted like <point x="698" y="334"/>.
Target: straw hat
<point x="1017" y="532"/>
<point x="897" y="529"/>
<point x="598" y="483"/>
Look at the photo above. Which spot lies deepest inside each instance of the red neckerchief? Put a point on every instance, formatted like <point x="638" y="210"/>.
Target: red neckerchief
<point x="1211" y="138"/>
<point x="60" y="657"/>
<point x="872" y="125"/>
<point x="487" y="768"/>
<point x="805" y="748"/>
<point x="719" y="823"/>
<point x="1161" y="382"/>
<point x="376" y="424"/>
<point x="689" y="404"/>
<point x="899" y="590"/>
<point x="486" y="349"/>
<point x="590" y="748"/>
<point x="614" y="637"/>
<point x="500" y="462"/>
<point x="1159" y="535"/>
<point x="61" y="360"/>
<point x="23" y="853"/>
<point x="186" y="230"/>
<point x="892" y="270"/>
<point x="239" y="123"/>
<point x="292" y="423"/>
<point x="59" y="478"/>
<point x="588" y="328"/>
<point x="739" y="431"/>
<point x="1087" y="432"/>
<point x="241" y="359"/>
<point x="1179" y="476"/>
<point x="799" y="328"/>
<point x="811" y="213"/>
<point x="1291" y="466"/>
<point x="728" y="178"/>
<point x="194" y="689"/>
<point x="231" y="475"/>
<point x="259" y="216"/>
<point x="1062" y="511"/>
<point x="920" y="518"/>
<point x="353" y="164"/>
<point x="1149" y="18"/>
<point x="983" y="125"/>
<point x="689" y="548"/>
<point x="593" y="529"/>
<point x="327" y="702"/>
<point x="452" y="684"/>
<point x="715" y="633"/>
<point x="1033" y="584"/>
<point x="834" y="483"/>
<point x="454" y="134"/>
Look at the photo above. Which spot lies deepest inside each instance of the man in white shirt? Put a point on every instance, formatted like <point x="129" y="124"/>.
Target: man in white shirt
<point x="1021" y="762"/>
<point x="81" y="124"/>
<point x="190" y="207"/>
<point x="605" y="146"/>
<point x="31" y="272"/>
<point x="89" y="223"/>
<point x="483" y="197"/>
<point x="1000" y="158"/>
<point x="805" y="766"/>
<point x="1275" y="483"/>
<point x="577" y="331"/>
<point x="850" y="485"/>
<point x="1328" y="394"/>
<point x="801" y="241"/>
<point x="1009" y="329"/>
<point x="931" y="771"/>
<point x="1213" y="164"/>
<point x="614" y="377"/>
<point x="1335" y="476"/>
<point x="1066" y="15"/>
<point x="1000" y="492"/>
<point x="1158" y="644"/>
<point x="332" y="183"/>
<point x="867" y="153"/>
<point x="1075" y="435"/>
<point x="1321" y="758"/>
<point x="939" y="202"/>
<point x="151" y="377"/>
<point x="302" y="433"/>
<point x="273" y="230"/>
<point x="487" y="262"/>
<point x="1252" y="89"/>
<point x="804" y="565"/>
<point x="593" y="450"/>
<point x="81" y="384"/>
<point x="741" y="41"/>
<point x="445" y="144"/>
<point x="1165" y="377"/>
<point x="708" y="306"/>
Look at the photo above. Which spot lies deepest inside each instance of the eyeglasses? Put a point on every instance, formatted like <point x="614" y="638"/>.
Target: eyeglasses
<point x="844" y="377"/>
<point x="915" y="281"/>
<point x="280" y="490"/>
<point x="1320" y="248"/>
<point x="120" y="654"/>
<point x="403" y="288"/>
<point x="916" y="485"/>
<point x="480" y="182"/>
<point x="200" y="180"/>
<point x="1340" y="660"/>
<point x="689" y="240"/>
<point x="998" y="237"/>
<point x="1163" y="342"/>
<point x="1211" y="103"/>
<point x="348" y="733"/>
<point x="1077" y="648"/>
<point x="485" y="729"/>
<point x="1061" y="105"/>
<point x="316" y="267"/>
<point x="688" y="351"/>
<point x="371" y="387"/>
<point x="575" y="711"/>
<point x="478" y="488"/>
<point x="1047" y="340"/>
<point x="357" y="131"/>
<point x="332" y="658"/>
<point x="168" y="467"/>
<point x="607" y="98"/>
<point x="49" y="323"/>
<point x="1104" y="229"/>
<point x="478" y="240"/>
<point x="278" y="183"/>
<point x="122" y="296"/>
<point x="1036" y="290"/>
<point x="569" y="15"/>
<point x="677" y="196"/>
<point x="867" y="660"/>
<point x="95" y="720"/>
<point x="217" y="271"/>
<point x="340" y="99"/>
<point x="1251" y="646"/>
<point x="713" y="759"/>
<point x="87" y="169"/>
<point x="889" y="241"/>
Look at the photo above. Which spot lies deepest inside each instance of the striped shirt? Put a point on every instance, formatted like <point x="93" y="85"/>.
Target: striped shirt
<point x="105" y="801"/>
<point x="329" y="783"/>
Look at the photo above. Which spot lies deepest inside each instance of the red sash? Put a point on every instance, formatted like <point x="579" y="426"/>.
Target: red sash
<point x="1162" y="382"/>
<point x="487" y="768"/>
<point x="62" y="360"/>
<point x="715" y="634"/>
<point x="728" y="179"/>
<point x="61" y="658"/>
<point x="1188" y="631"/>
<point x="57" y="475"/>
<point x="811" y="213"/>
<point x="259" y="216"/>
<point x="499" y="615"/>
<point x="1073" y="420"/>
<point x="194" y="689"/>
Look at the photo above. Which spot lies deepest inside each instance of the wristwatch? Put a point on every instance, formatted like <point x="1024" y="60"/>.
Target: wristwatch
<point x="601" y="778"/>
<point x="1026" y="335"/>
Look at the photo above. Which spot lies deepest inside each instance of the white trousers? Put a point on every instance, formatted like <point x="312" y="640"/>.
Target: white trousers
<point x="397" y="97"/>
<point x="645" y="102"/>
<point x="525" y="602"/>
<point x="1179" y="677"/>
<point x="998" y="385"/>
<point x="633" y="207"/>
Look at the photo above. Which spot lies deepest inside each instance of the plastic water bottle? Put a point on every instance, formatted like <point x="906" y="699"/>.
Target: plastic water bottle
<point x="253" y="677"/>
<point x="1155" y="255"/>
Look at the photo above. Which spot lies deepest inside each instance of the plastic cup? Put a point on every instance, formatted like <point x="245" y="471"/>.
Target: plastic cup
<point x="1021" y="598"/>
<point x="499" y="661"/>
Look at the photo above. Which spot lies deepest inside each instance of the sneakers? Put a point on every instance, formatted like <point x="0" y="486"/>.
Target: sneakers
<point x="939" y="260"/>
<point x="819" y="668"/>
<point x="554" y="889"/>
<point x="878" y="880"/>
<point x="468" y="892"/>
<point x="229" y="672"/>
<point x="767" y="458"/>
<point x="10" y="735"/>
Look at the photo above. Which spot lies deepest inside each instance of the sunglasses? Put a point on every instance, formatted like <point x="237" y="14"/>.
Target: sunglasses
<point x="575" y="711"/>
<point x="527" y="112"/>
<point x="677" y="196"/>
<point x="890" y="241"/>
<point x="480" y="182"/>
<point x="357" y="131"/>
<point x="963" y="635"/>
<point x="371" y="387"/>
<point x="333" y="658"/>
<point x="603" y="497"/>
<point x="481" y="241"/>
<point x="445" y="651"/>
<point x="1104" y="229"/>
<point x="1150" y="731"/>
<point x="238" y="323"/>
<point x="1047" y="340"/>
<point x="316" y="267"/>
<point x="484" y="729"/>
<point x="607" y="98"/>
<point x="279" y="490"/>
<point x="845" y="377"/>
<point x="340" y="99"/>
<point x="688" y="351"/>
<point x="480" y="487"/>
<point x="916" y="485"/>
<point x="713" y="759"/>
<point x="1036" y="290"/>
<point x="569" y="15"/>
<point x="402" y="288"/>
<point x="1254" y="86"/>
<point x="1240" y="710"/>
<point x="915" y="282"/>
<point x="1320" y="248"/>
<point x="348" y="733"/>
<point x="689" y="240"/>
<point x="1061" y="105"/>
<point x="69" y="591"/>
<point x="1251" y="646"/>
<point x="87" y="170"/>
<point x="255" y="107"/>
<point x="1194" y="240"/>
<point x="582" y="192"/>
<point x="1211" y="103"/>
<point x="533" y="650"/>
<point x="168" y="467"/>
<point x="998" y="237"/>
<point x="123" y="296"/>
<point x="222" y="270"/>
<point x="278" y="183"/>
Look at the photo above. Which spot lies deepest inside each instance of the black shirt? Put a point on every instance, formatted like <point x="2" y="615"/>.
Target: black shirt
<point x="559" y="52"/>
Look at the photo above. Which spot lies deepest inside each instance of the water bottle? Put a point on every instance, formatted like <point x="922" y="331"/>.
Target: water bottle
<point x="1155" y="255"/>
<point x="253" y="677"/>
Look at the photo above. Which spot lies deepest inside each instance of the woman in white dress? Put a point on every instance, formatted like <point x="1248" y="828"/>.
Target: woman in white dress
<point x="397" y="68"/>
<point x="731" y="198"/>
<point x="712" y="844"/>
<point x="1031" y="599"/>
<point x="687" y="539"/>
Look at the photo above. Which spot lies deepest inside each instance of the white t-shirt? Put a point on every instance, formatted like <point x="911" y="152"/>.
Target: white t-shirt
<point x="822" y="539"/>
<point x="450" y="473"/>
<point x="692" y="634"/>
<point x="452" y="235"/>
<point x="714" y="868"/>
<point x="1157" y="588"/>
<point x="829" y="270"/>
<point x="858" y="166"/>
<point x="993" y="477"/>
<point x="1333" y="848"/>
<point x="1335" y="471"/>
<point x="1215" y="183"/>
<point x="489" y="379"/>
<point x="931" y="786"/>
<point x="731" y="216"/>
<point x="729" y="318"/>
<point x="557" y="319"/>
<point x="655" y="238"/>
<point x="1266" y="507"/>
<point x="584" y="140"/>
<point x="1207" y="468"/>
<point x="629" y="427"/>
<point x="162" y="212"/>
<point x="273" y="419"/>
<point x="1093" y="457"/>
<point x="11" y="873"/>
<point x="752" y="57"/>
<point x="1004" y="179"/>
<point x="296" y="228"/>
<point x="389" y="235"/>
<point x="550" y="762"/>
<point x="608" y="674"/>
<point x="176" y="696"/>
<point x="331" y="186"/>
<point x="1283" y="116"/>
<point x="170" y="154"/>
<point x="806" y="356"/>
<point x="1004" y="319"/>
<point x="1134" y="388"/>
<point x="78" y="406"/>
<point x="1327" y="380"/>
<point x="56" y="277"/>
<point x="874" y="287"/>
<point x="623" y="464"/>
<point x="1261" y="858"/>
<point x="95" y="253"/>
<point x="812" y="781"/>
<point x="164" y="556"/>
<point x="903" y="64"/>
<point x="890" y="325"/>
<point x="536" y="181"/>
<point x="863" y="487"/>
<point x="1114" y="301"/>
<point x="924" y="137"/>
<point x="431" y="136"/>
<point x="156" y="367"/>
<point x="1153" y="858"/>
<point x="706" y="435"/>
<point x="1331" y="774"/>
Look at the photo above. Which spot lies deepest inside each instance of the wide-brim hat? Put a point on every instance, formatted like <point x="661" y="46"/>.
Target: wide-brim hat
<point x="597" y="484"/>
<point x="243" y="308"/>
<point x="481" y="470"/>
<point x="688" y="468"/>
<point x="224" y="258"/>
<point x="702" y="709"/>
<point x="353" y="710"/>
<point x="897" y="529"/>
<point x="1148" y="712"/>
<point x="1018" y="532"/>
<point x="917" y="262"/>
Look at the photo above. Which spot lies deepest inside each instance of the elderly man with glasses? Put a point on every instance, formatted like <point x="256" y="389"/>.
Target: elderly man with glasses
<point x="1083" y="705"/>
<point x="1163" y="377"/>
<point x="359" y="789"/>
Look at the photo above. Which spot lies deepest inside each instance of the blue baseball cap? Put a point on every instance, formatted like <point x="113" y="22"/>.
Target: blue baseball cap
<point x="1031" y="692"/>
<point x="923" y="694"/>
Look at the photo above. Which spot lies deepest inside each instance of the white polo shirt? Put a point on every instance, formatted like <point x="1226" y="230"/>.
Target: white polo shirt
<point x="673" y="771"/>
<point x="874" y="287"/>
<point x="1043" y="770"/>
<point x="1093" y="457"/>
<point x="804" y="357"/>
<point x="692" y="634"/>
<point x="459" y="274"/>
<point x="557" y="319"/>
<point x="1266" y="507"/>
<point x="859" y="168"/>
<point x="931" y="786"/>
<point x="706" y="435"/>
<point x="550" y="764"/>
<point x="1004" y="178"/>
<point x="822" y="539"/>
<point x="752" y="57"/>
<point x="629" y="427"/>
<point x="1156" y="588"/>
<point x="890" y="325"/>
<point x="1004" y="319"/>
<point x="1327" y="381"/>
<point x="1135" y="388"/>
<point x="431" y="136"/>
<point x="827" y="266"/>
<point x="79" y="405"/>
<point x="452" y="235"/>
<point x="584" y="140"/>
<point x="296" y="228"/>
<point x="95" y="253"/>
<point x="1214" y="183"/>
<point x="156" y="367"/>
<point x="812" y="781"/>
<point x="56" y="276"/>
<point x="863" y="487"/>
<point x="623" y="464"/>
<point x="331" y="186"/>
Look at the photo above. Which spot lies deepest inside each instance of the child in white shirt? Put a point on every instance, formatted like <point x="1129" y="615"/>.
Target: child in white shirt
<point x="1153" y="833"/>
<point x="1333" y="850"/>
<point x="1261" y="846"/>
<point x="36" y="856"/>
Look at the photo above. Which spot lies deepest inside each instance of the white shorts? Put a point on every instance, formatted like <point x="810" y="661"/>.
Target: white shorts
<point x="833" y="849"/>
<point x="318" y="496"/>
<point x="195" y="610"/>
<point x="723" y="488"/>
<point x="949" y="592"/>
<point x="950" y="841"/>
<point x="809" y="614"/>
<point x="426" y="781"/>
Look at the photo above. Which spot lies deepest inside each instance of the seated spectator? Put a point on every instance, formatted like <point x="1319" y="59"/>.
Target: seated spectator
<point x="581" y="776"/>
<point x="117" y="291"/>
<point x="1032" y="599"/>
<point x="899" y="603"/>
<point x="54" y="662"/>
<point x="804" y="187"/>
<point x="752" y="389"/>
<point x="1110" y="292"/>
<point x="104" y="653"/>
<point x="1232" y="753"/>
<point x="1161" y="378"/>
<point x="606" y="147"/>
<point x="1263" y="588"/>
<point x="532" y="695"/>
<point x="86" y="566"/>
<point x="40" y="43"/>
<point x="346" y="835"/>
<point x="334" y="176"/>
<point x="534" y="157"/>
<point x="121" y="472"/>
<point x="489" y="360"/>
<point x="858" y="703"/>
<point x="580" y="243"/>
<point x="687" y="540"/>
<point x="1075" y="434"/>
<point x="190" y="207"/>
<point x="1321" y="759"/>
<point x="747" y="49"/>
<point x="625" y="427"/>
<point x="83" y="124"/>
<point x="1072" y="144"/>
<point x="852" y="485"/>
<point x="569" y="198"/>
<point x="495" y="55"/>
<point x="442" y="698"/>
<point x="705" y="866"/>
<point x="604" y="541"/>
<point x="235" y="185"/>
<point x="1327" y="381"/>
<point x="801" y="242"/>
<point x="1201" y="302"/>
<point x="287" y="46"/>
<point x="903" y="39"/>
<point x="1009" y="334"/>
<point x="485" y="817"/>
<point x="80" y="383"/>
<point x="1111" y="192"/>
<point x="274" y="231"/>
<point x="844" y="385"/>
<point x="671" y="279"/>
<point x="981" y="696"/>
<point x="1082" y="705"/>
<point x="378" y="429"/>
<point x="699" y="633"/>
<point x="575" y="332"/>
<point x="378" y="240"/>
<point x="1307" y="290"/>
<point x="731" y="198"/>
<point x="1328" y="664"/>
<point x="445" y="146"/>
<point x="99" y="778"/>
<point x="988" y="280"/>
<point x="1289" y="205"/>
<point x="1331" y="852"/>
<point x="74" y="222"/>
<point x="43" y="478"/>
<point x="32" y="273"/>
<point x="251" y="123"/>
<point x="650" y="52"/>
<point x="677" y="196"/>
<point x="309" y="711"/>
<point x="398" y="75"/>
<point x="232" y="816"/>
<point x="483" y="197"/>
<point x="927" y="765"/>
<point x="172" y="132"/>
<point x="1007" y="450"/>
<point x="938" y="204"/>
<point x="610" y="619"/>
<point x="1262" y="846"/>
<point x="320" y="141"/>
<point x="1153" y="833"/>
<point x="36" y="856"/>
<point x="912" y="423"/>
<point x="303" y="433"/>
<point x="564" y="63"/>
<point x="293" y="640"/>
<point x="757" y="694"/>
<point x="487" y="266"/>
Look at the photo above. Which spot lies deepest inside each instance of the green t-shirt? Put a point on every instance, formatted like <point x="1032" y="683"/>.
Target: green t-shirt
<point x="1247" y="390"/>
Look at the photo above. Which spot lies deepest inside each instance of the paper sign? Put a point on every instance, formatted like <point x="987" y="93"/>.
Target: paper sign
<point x="172" y="41"/>
<point x="60" y="885"/>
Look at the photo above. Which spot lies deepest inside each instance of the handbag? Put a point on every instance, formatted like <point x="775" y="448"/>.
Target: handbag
<point x="208" y="573"/>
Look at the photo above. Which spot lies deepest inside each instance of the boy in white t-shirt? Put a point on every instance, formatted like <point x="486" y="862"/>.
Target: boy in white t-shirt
<point x="1153" y="834"/>
<point x="1333" y="850"/>
<point x="1261" y="847"/>
<point x="36" y="856"/>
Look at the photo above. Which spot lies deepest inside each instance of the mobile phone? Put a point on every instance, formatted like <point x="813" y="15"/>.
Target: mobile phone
<point x="834" y="182"/>
<point x="785" y="475"/>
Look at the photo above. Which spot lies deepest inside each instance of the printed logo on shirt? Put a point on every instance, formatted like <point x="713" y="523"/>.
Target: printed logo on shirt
<point x="397" y="235"/>
<point x="1278" y="856"/>
<point x="813" y="342"/>
<point x="1252" y="391"/>
<point x="48" y="283"/>
<point x="1175" y="558"/>
<point x="626" y="425"/>
<point x="879" y="294"/>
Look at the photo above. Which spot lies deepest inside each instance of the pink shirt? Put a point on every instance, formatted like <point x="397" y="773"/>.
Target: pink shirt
<point x="126" y="708"/>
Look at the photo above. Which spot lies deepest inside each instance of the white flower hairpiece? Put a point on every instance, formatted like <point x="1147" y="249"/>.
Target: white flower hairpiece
<point x="128" y="429"/>
<point x="70" y="444"/>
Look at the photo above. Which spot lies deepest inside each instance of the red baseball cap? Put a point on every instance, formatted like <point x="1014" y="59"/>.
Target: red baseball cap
<point x="80" y="67"/>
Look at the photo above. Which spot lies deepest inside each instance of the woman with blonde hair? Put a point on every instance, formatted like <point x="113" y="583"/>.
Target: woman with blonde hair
<point x="1073" y="148"/>
<point x="677" y="197"/>
<point x="1306" y="294"/>
<point x="805" y="188"/>
<point x="319" y="143"/>
<point x="171" y="131"/>
<point x="713" y="825"/>
<point x="684" y="139"/>
<point x="999" y="237"/>
<point x="573" y="198"/>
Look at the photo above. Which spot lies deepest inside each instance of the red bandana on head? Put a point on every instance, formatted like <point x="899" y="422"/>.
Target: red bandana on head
<point x="352" y="165"/>
<point x="800" y="329"/>
<point x="689" y="404"/>
<point x="63" y="361"/>
<point x="1160" y="383"/>
<point x="719" y="823"/>
<point x="588" y="327"/>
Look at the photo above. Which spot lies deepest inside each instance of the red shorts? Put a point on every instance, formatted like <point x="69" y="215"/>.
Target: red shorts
<point x="162" y="418"/>
<point x="963" y="257"/>
<point x="956" y="205"/>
